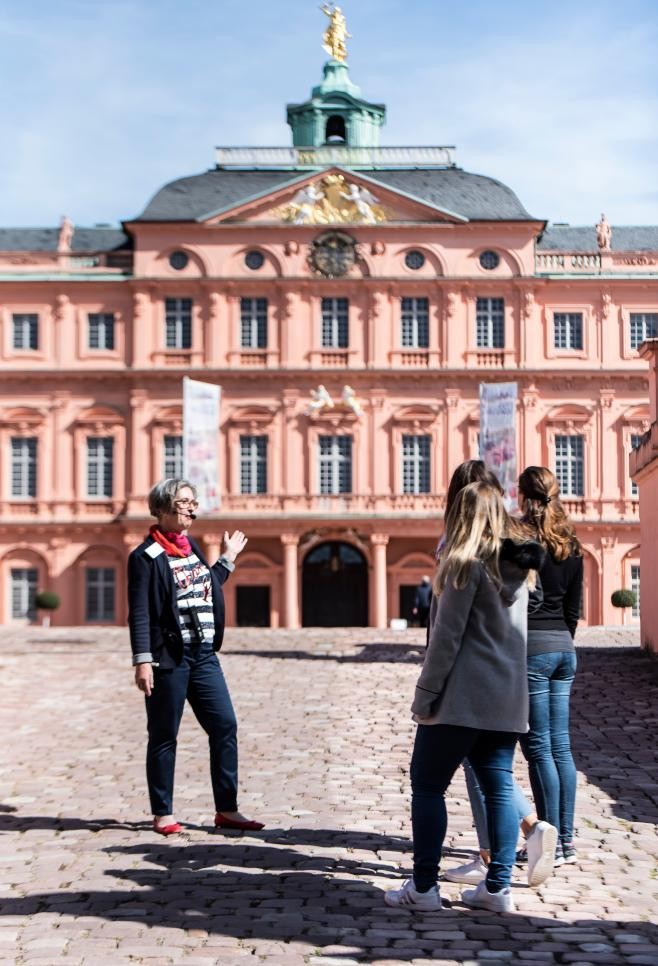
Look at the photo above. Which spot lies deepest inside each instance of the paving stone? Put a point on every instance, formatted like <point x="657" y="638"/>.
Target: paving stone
<point x="89" y="883"/>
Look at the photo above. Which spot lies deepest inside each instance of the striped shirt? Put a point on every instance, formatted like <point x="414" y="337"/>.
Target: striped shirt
<point x="193" y="590"/>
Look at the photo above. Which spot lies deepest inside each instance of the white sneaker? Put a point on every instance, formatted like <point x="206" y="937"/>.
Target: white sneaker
<point x="481" y="898"/>
<point x="408" y="897"/>
<point x="540" y="844"/>
<point x="471" y="872"/>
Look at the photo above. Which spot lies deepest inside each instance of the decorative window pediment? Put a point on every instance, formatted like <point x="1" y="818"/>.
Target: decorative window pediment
<point x="100" y="418"/>
<point x="569" y="418"/>
<point x="23" y="418"/>
<point x="416" y="416"/>
<point x="253" y="416"/>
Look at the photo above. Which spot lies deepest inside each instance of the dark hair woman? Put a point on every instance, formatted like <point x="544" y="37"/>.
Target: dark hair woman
<point x="551" y="655"/>
<point x="176" y="621"/>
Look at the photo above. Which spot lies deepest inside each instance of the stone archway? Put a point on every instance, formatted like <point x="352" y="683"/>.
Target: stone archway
<point x="334" y="586"/>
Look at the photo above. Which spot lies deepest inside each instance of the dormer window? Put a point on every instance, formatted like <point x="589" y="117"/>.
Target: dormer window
<point x="336" y="133"/>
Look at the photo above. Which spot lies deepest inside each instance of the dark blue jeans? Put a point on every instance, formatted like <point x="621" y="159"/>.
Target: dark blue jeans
<point x="546" y="745"/>
<point x="199" y="679"/>
<point x="438" y="751"/>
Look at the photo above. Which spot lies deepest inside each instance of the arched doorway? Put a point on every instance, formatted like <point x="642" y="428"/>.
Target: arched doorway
<point x="335" y="586"/>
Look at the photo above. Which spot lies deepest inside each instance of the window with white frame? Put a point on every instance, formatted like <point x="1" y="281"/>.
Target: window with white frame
<point x="23" y="467"/>
<point x="253" y="323"/>
<point x="415" y="319"/>
<point x="490" y="323"/>
<point x="101" y="330"/>
<point x="415" y="464"/>
<point x="335" y="464"/>
<point x="636" y="439"/>
<point x="570" y="465"/>
<point x="23" y="591"/>
<point x="635" y="587"/>
<point x="100" y="593"/>
<point x="644" y="325"/>
<point x="253" y="464"/>
<point x="178" y="323"/>
<point x="172" y="451"/>
<point x="100" y="459"/>
<point x="26" y="331"/>
<point x="568" y="330"/>
<point x="335" y="323"/>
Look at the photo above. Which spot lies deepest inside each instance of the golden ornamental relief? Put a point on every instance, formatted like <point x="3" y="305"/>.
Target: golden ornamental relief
<point x="336" y="35"/>
<point x="332" y="201"/>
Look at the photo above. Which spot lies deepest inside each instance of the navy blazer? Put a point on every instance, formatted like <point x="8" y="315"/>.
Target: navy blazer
<point x="153" y="616"/>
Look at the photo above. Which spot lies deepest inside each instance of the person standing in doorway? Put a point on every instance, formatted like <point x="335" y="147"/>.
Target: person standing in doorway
<point x="422" y="601"/>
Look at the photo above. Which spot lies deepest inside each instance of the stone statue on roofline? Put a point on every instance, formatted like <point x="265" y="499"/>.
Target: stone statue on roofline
<point x="604" y="234"/>
<point x="65" y="237"/>
<point x="336" y="33"/>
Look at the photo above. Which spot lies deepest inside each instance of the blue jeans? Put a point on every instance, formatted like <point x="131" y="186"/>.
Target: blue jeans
<point x="546" y="745"/>
<point x="438" y="752"/>
<point x="199" y="679"/>
<point x="479" y="810"/>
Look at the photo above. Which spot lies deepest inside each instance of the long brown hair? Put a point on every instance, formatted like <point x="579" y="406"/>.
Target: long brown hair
<point x="544" y="514"/>
<point x="475" y="529"/>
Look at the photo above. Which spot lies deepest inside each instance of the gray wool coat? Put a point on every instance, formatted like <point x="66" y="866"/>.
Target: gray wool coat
<point x="475" y="673"/>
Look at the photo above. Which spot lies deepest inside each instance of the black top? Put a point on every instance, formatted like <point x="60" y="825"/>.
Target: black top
<point x="562" y="586"/>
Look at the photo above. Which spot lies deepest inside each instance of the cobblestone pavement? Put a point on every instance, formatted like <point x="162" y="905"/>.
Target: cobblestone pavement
<point x="325" y="738"/>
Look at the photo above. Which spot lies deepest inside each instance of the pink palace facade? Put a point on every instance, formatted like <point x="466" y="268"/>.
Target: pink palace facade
<point x="349" y="299"/>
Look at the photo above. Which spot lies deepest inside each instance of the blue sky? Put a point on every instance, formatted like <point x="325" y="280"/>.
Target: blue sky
<point x="102" y="101"/>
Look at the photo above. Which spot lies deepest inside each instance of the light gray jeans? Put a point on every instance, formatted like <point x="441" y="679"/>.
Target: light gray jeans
<point x="476" y="797"/>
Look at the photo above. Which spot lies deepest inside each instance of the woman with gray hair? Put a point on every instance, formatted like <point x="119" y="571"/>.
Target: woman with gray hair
<point x="176" y="621"/>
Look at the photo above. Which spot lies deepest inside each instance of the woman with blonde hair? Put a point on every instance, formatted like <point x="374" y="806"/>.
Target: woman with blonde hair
<point x="478" y="622"/>
<point x="552" y="655"/>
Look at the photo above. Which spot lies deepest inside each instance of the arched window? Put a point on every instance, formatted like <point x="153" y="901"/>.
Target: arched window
<point x="336" y="129"/>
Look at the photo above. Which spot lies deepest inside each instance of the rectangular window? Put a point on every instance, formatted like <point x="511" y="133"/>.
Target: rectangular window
<point x="636" y="439"/>
<point x="178" y="323"/>
<point x="26" y="331"/>
<point x="253" y="323"/>
<point x="23" y="467"/>
<point x="415" y="464"/>
<point x="335" y="323"/>
<point x="569" y="465"/>
<point x="415" y="318"/>
<point x="644" y="325"/>
<point x="335" y="464"/>
<point x="100" y="452"/>
<point x="490" y="323"/>
<point x="99" y="594"/>
<point x="23" y="593"/>
<point x="568" y="330"/>
<point x="253" y="464"/>
<point x="101" y="330"/>
<point x="173" y="457"/>
<point x="635" y="587"/>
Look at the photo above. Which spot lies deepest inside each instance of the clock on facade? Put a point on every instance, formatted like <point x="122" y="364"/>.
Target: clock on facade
<point x="332" y="254"/>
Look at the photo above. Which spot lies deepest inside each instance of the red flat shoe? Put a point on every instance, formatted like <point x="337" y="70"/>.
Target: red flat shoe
<point x="172" y="829"/>
<point x="221" y="821"/>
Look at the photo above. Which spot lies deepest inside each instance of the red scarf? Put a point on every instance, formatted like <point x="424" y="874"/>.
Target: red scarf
<point x="175" y="544"/>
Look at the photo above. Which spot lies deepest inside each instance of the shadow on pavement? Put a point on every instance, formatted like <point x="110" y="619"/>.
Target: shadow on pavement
<point x="614" y="720"/>
<point x="25" y="823"/>
<point x="376" y="652"/>
<point x="320" y="901"/>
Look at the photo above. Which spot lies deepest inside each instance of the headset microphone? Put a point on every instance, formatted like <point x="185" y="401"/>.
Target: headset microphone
<point x="193" y="516"/>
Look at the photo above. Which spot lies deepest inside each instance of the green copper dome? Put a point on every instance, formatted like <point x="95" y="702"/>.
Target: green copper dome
<point x="336" y="113"/>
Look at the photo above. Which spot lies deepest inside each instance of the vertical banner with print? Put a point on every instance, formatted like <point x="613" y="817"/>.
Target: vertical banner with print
<point x="201" y="441"/>
<point x="498" y="434"/>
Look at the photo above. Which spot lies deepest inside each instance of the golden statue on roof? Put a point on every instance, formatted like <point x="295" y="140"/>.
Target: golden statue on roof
<point x="336" y="33"/>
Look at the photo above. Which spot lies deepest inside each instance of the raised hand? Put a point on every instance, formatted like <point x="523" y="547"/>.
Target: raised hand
<point x="234" y="544"/>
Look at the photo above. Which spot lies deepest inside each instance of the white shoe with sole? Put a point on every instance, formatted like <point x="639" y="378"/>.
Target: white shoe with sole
<point x="540" y="845"/>
<point x="408" y="898"/>
<point x="471" y="872"/>
<point x="481" y="898"/>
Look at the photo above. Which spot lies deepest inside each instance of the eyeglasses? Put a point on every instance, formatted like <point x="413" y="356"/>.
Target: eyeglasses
<point x="186" y="504"/>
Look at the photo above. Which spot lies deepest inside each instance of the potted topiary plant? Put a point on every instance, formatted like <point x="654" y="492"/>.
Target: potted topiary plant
<point x="47" y="600"/>
<point x="623" y="598"/>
